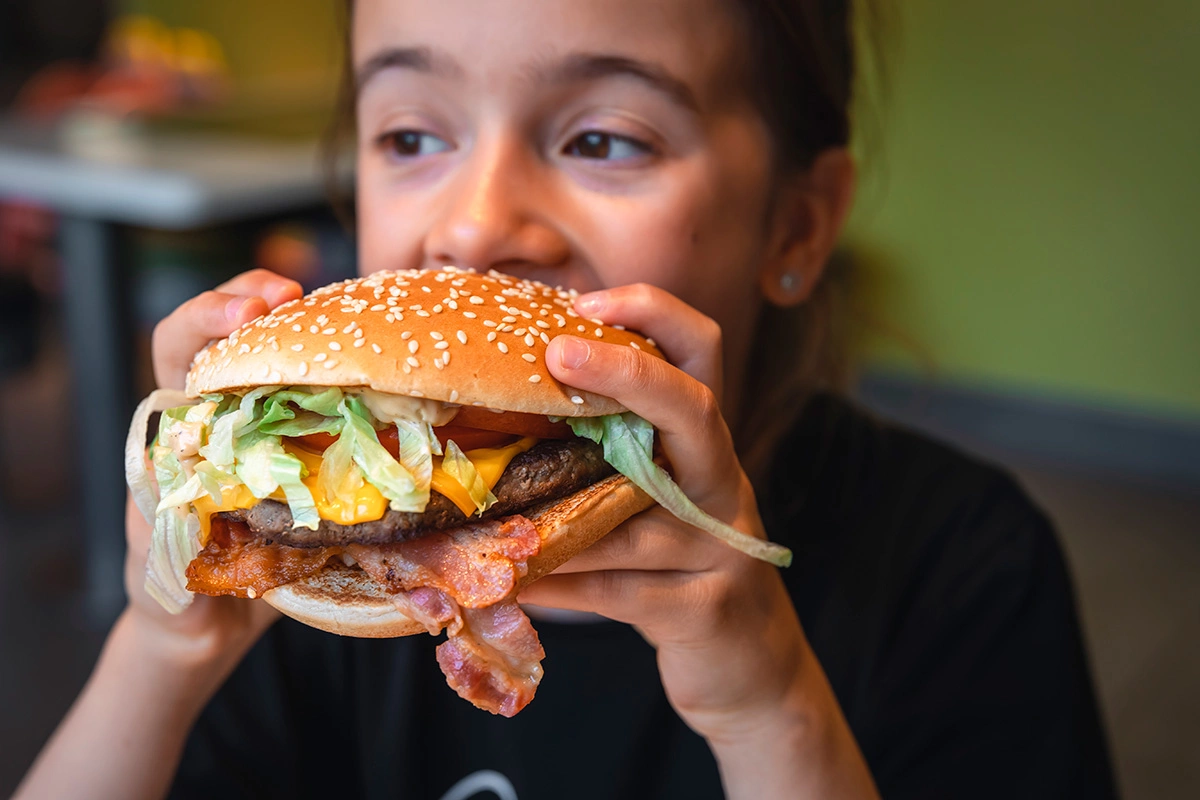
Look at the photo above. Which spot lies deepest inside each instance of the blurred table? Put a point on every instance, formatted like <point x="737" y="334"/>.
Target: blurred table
<point x="103" y="176"/>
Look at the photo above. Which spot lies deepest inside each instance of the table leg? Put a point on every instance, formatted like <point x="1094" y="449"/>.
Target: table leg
<point x="99" y="335"/>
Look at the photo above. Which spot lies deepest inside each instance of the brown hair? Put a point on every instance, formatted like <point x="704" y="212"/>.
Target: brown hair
<point x="804" y="70"/>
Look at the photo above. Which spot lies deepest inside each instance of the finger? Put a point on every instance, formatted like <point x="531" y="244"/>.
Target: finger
<point x="189" y="328"/>
<point x="653" y="540"/>
<point x="646" y="599"/>
<point x="685" y="411"/>
<point x="273" y="288"/>
<point x="690" y="340"/>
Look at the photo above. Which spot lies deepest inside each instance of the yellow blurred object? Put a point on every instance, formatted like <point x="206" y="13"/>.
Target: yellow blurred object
<point x="141" y="41"/>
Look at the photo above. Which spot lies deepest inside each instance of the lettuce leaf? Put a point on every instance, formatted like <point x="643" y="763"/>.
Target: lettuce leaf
<point x="628" y="442"/>
<point x="287" y="471"/>
<point x="385" y="473"/>
<point x="459" y="467"/>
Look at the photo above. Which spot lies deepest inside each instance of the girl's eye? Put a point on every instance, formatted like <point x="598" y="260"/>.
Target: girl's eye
<point x="410" y="144"/>
<point x="603" y="146"/>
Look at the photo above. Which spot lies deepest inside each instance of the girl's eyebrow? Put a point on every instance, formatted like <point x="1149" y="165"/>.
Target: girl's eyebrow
<point x="418" y="59"/>
<point x="591" y="66"/>
<point x="572" y="68"/>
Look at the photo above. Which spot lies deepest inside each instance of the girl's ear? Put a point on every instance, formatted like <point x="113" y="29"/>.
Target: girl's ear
<point x="811" y="209"/>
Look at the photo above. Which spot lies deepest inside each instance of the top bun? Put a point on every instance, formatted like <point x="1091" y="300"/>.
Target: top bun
<point x="450" y="334"/>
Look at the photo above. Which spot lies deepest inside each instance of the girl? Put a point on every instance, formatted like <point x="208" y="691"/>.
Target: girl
<point x="682" y="163"/>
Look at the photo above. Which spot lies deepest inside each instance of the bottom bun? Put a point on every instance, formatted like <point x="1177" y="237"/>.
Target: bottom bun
<point x="344" y="600"/>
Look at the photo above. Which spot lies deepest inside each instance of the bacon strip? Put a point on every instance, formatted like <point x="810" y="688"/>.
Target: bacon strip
<point x="460" y="581"/>
<point x="495" y="661"/>
<point x="477" y="564"/>
<point x="237" y="563"/>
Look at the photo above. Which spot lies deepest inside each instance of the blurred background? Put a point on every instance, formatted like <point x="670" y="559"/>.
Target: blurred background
<point x="1020" y="271"/>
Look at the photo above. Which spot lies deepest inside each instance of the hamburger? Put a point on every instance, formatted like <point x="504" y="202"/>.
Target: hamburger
<point x="390" y="455"/>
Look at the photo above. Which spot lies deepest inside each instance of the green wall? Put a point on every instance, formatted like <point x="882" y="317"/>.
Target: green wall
<point x="1036" y="223"/>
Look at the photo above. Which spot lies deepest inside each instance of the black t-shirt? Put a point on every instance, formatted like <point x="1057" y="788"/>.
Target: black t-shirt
<point x="931" y="589"/>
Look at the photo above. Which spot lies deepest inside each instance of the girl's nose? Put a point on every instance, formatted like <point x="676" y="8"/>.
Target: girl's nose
<point x="498" y="214"/>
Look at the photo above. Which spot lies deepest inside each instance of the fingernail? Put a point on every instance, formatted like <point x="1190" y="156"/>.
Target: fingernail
<point x="590" y="303"/>
<point x="234" y="307"/>
<point x="573" y="353"/>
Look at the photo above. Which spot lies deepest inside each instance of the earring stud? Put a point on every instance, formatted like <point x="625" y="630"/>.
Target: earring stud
<point x="789" y="282"/>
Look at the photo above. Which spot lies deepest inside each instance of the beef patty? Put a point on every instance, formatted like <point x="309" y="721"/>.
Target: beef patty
<point x="550" y="470"/>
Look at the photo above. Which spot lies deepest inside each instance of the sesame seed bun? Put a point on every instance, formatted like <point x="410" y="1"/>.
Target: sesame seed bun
<point x="344" y="600"/>
<point x="451" y="335"/>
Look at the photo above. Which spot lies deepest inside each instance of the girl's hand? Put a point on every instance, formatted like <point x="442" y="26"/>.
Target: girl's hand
<point x="213" y="628"/>
<point x="733" y="659"/>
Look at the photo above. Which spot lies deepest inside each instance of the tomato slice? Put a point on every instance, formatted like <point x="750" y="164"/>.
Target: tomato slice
<point x="511" y="422"/>
<point x="471" y="428"/>
<point x="465" y="438"/>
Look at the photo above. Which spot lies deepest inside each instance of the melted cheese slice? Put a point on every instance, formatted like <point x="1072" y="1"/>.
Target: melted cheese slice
<point x="369" y="503"/>
<point x="490" y="463"/>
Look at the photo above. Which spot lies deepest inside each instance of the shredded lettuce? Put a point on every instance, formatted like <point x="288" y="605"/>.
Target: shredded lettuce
<point x="385" y="473"/>
<point x="231" y="425"/>
<point x="459" y="467"/>
<point x="628" y="442"/>
<point x="287" y="471"/>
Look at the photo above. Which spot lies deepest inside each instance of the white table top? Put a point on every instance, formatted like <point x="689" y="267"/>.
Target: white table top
<point x="113" y="172"/>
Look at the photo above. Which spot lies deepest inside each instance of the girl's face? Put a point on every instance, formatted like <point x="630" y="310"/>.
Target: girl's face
<point x="589" y="144"/>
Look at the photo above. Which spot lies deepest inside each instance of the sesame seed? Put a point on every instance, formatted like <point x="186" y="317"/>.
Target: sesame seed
<point x="462" y="337"/>
<point x="491" y="337"/>
<point x="407" y="368"/>
<point x="334" y="346"/>
<point x="413" y="345"/>
<point x="330" y="364"/>
<point x="508" y="319"/>
<point x="446" y="357"/>
<point x="422" y="313"/>
<point x="320" y="357"/>
<point x="544" y="337"/>
<point x="297" y="347"/>
<point x="251" y="593"/>
<point x="297" y="328"/>
<point x="412" y="361"/>
<point x="476" y="300"/>
<point x="619" y="327"/>
<point x="406" y="335"/>
<point x="376" y="348"/>
<point x="502" y="347"/>
<point x="518" y="331"/>
<point x="258" y="348"/>
<point x="526" y="315"/>
<point x="453" y="304"/>
<point x="359" y="342"/>
<point x="529" y="340"/>
<point x="535" y="378"/>
<point x="442" y="345"/>
<point x="266" y="370"/>
<point x="329" y="331"/>
<point x="436" y="335"/>
<point x="576" y="399"/>
<point x="358" y="334"/>
<point x="378" y="307"/>
<point x="530" y="357"/>
<point x="541" y="323"/>
<point x="650" y="342"/>
<point x="634" y="345"/>
<point x="470" y="314"/>
<point x="437" y="309"/>
<point x="498" y="299"/>
<point x="426" y="289"/>
<point x="582" y="329"/>
<point x="599" y="332"/>
<point x="488" y="323"/>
